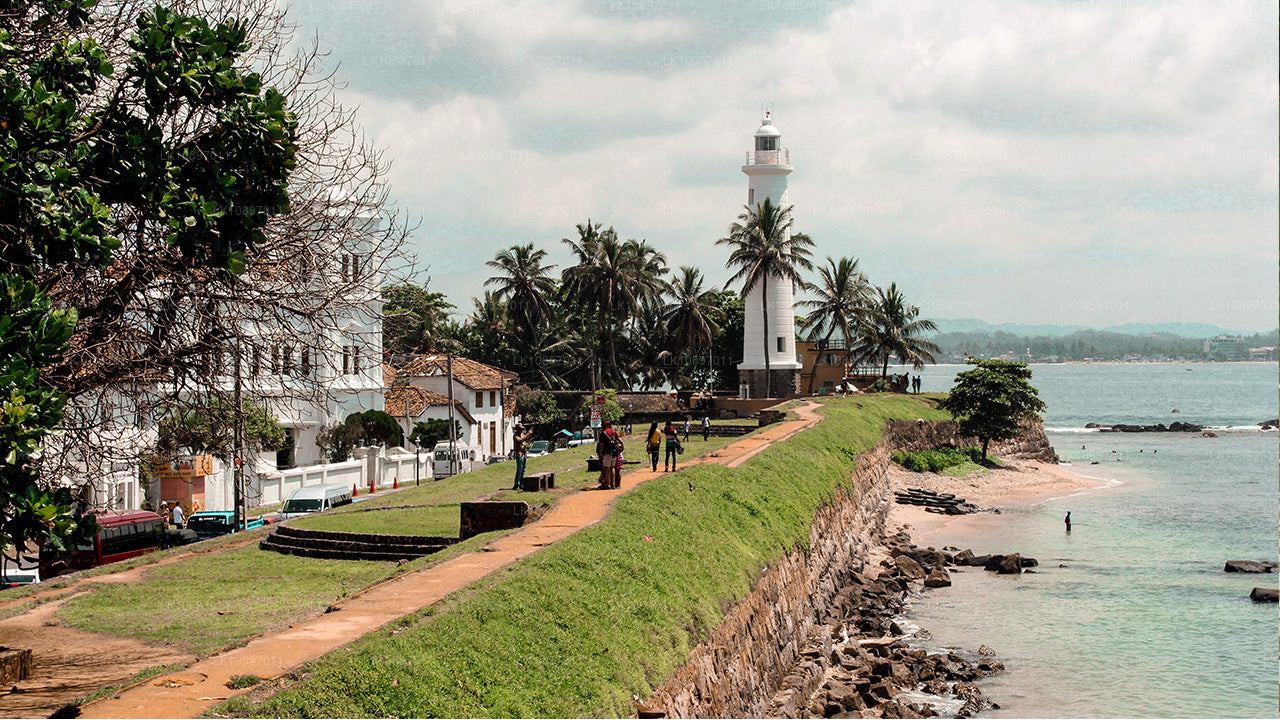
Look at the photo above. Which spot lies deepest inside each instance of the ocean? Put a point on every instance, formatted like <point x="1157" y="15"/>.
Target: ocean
<point x="1131" y="614"/>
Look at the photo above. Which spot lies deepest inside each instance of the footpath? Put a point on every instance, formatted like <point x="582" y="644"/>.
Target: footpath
<point x="203" y="685"/>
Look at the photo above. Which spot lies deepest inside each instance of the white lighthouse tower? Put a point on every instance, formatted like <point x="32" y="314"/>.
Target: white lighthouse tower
<point x="767" y="168"/>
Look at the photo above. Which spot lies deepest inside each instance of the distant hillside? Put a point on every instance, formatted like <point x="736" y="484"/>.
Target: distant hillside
<point x="1082" y="344"/>
<point x="1179" y="329"/>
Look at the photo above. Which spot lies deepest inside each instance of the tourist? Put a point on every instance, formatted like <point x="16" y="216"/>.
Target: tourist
<point x="177" y="516"/>
<point x="521" y="450"/>
<point x="608" y="448"/>
<point x="688" y="425"/>
<point x="673" y="446"/>
<point x="654" y="444"/>
<point x="1067" y="520"/>
<point x="706" y="427"/>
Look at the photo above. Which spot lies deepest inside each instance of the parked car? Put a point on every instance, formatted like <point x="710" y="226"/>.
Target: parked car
<point x="305" y="501"/>
<point x="120" y="536"/>
<point x="464" y="459"/>
<point x="540" y="447"/>
<point x="17" y="574"/>
<point x="212" y="523"/>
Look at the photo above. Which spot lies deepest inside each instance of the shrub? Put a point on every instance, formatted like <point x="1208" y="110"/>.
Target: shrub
<point x="937" y="459"/>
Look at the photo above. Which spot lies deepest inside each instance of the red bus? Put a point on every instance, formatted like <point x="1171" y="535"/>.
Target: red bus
<point x="120" y="537"/>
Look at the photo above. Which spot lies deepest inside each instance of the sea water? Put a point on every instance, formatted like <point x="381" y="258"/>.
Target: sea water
<point x="1130" y="614"/>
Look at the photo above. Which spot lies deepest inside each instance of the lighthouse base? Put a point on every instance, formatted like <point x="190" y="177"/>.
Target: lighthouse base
<point x="774" y="383"/>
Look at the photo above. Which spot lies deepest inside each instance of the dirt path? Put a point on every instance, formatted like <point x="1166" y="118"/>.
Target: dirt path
<point x="202" y="685"/>
<point x="62" y="671"/>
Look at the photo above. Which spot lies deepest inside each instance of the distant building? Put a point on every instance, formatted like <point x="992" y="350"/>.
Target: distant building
<point x="1226" y="347"/>
<point x="1264" y="353"/>
<point x="482" y="400"/>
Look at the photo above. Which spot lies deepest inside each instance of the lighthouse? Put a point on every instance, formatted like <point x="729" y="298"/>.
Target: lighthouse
<point x="767" y="168"/>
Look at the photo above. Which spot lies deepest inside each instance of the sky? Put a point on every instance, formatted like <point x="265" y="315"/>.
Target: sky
<point x="1089" y="163"/>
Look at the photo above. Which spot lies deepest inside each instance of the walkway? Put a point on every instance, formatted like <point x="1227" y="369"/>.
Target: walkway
<point x="201" y="686"/>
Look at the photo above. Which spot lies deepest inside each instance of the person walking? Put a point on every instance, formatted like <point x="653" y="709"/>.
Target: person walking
<point x="673" y="446"/>
<point x="1067" y="520"/>
<point x="688" y="425"/>
<point x="177" y="516"/>
<point x="706" y="427"/>
<point x="520" y="447"/>
<point x="653" y="444"/>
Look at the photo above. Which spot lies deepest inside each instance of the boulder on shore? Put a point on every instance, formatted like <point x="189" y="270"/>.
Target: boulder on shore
<point x="1265" y="595"/>
<point x="909" y="568"/>
<point x="1269" y="424"/>
<point x="1249" y="566"/>
<point x="1005" y="564"/>
<point x="938" y="578"/>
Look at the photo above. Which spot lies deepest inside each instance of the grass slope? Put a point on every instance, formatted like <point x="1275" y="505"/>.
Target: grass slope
<point x="578" y="628"/>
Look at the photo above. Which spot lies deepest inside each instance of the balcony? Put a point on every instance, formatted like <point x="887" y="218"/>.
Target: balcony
<point x="769" y="157"/>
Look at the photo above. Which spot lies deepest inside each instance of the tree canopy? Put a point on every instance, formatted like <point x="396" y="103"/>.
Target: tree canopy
<point x="991" y="400"/>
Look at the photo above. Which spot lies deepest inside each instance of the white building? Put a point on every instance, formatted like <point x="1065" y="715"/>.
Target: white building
<point x="483" y="404"/>
<point x="307" y="377"/>
<point x="767" y="168"/>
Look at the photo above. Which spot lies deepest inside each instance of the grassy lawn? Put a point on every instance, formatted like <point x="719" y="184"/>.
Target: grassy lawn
<point x="210" y="601"/>
<point x="578" y="628"/>
<point x="439" y="520"/>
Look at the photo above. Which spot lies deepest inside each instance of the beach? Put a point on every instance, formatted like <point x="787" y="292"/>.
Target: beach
<point x="1019" y="483"/>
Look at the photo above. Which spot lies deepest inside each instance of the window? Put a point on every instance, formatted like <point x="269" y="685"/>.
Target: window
<point x="350" y="359"/>
<point x="767" y="143"/>
<point x="286" y="360"/>
<point x="275" y="360"/>
<point x="351" y="267"/>
<point x="751" y="197"/>
<point x="782" y="344"/>
<point x="304" y="360"/>
<point x="493" y="399"/>
<point x="479" y="399"/>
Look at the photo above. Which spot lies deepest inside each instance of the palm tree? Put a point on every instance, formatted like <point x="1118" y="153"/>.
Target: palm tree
<point x="650" y="364"/>
<point x="844" y="302"/>
<point x="523" y="282"/>
<point x="611" y="277"/>
<point x="896" y="330"/>
<point x="763" y="249"/>
<point x="692" y="317"/>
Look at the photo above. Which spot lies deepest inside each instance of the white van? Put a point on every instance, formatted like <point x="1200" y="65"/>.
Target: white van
<point x="465" y="458"/>
<point x="17" y="573"/>
<point x="305" y="501"/>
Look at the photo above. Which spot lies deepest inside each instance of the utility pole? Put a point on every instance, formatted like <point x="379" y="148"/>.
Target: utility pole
<point x="453" y="446"/>
<point x="238" y="454"/>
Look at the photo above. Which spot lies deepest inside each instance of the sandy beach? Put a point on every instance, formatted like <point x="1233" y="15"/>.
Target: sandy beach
<point x="1019" y="483"/>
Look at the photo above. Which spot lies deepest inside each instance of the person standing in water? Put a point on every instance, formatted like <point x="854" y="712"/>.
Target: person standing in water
<point x="1067" y="520"/>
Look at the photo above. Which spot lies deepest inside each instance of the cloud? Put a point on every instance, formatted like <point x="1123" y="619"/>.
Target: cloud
<point x="1013" y="149"/>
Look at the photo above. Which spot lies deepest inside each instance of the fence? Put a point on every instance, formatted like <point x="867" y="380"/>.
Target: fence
<point x="275" y="487"/>
<point x="404" y="467"/>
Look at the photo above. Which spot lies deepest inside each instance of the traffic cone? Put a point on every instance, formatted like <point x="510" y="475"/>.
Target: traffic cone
<point x="373" y="487"/>
<point x="395" y="482"/>
<point x="355" y="491"/>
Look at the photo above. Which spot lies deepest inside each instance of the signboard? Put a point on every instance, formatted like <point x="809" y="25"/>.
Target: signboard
<point x="595" y="416"/>
<point x="184" y="466"/>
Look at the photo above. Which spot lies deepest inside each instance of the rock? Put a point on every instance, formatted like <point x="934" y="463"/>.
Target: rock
<point x="1030" y="562"/>
<point x="1010" y="565"/>
<point x="992" y="562"/>
<point x="909" y="568"/>
<point x="962" y="557"/>
<point x="1265" y="595"/>
<point x="977" y="560"/>
<point x="986" y="651"/>
<point x="937" y="579"/>
<point x="1269" y="424"/>
<point x="1249" y="566"/>
<point x="990" y="666"/>
<point x="1093" y="425"/>
<point x="891" y="709"/>
<point x="1208" y="433"/>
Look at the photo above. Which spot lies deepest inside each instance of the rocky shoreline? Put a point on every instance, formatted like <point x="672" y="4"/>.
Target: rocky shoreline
<point x="863" y="665"/>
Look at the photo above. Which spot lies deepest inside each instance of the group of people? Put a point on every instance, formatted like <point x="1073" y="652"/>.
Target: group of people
<point x="610" y="445"/>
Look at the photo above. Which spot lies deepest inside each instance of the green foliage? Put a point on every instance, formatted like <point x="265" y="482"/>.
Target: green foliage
<point x="611" y="410"/>
<point x="211" y="429"/>
<point x="375" y="427"/>
<point x="415" y="320"/>
<point x="990" y="400"/>
<point x="538" y="407"/>
<point x="71" y="164"/>
<point x="938" y="459"/>
<point x="880" y="386"/>
<point x="427" y="433"/>
<point x="30" y="333"/>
